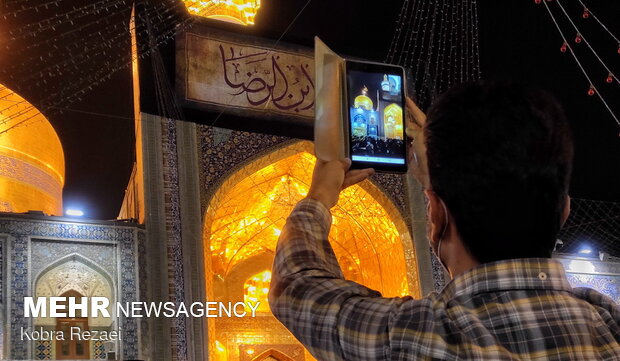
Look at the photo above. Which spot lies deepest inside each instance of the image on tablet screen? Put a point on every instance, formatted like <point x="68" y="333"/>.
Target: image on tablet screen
<point x="376" y="117"/>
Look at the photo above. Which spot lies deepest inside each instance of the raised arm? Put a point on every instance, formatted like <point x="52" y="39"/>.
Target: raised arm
<point x="334" y="318"/>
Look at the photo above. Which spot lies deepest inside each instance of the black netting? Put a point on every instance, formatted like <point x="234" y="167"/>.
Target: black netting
<point x="592" y="225"/>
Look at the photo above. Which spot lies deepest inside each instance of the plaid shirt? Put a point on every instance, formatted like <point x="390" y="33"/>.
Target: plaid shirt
<point x="521" y="309"/>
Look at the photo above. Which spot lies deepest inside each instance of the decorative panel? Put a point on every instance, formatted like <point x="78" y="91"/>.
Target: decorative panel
<point x="74" y="235"/>
<point x="176" y="282"/>
<point x="43" y="350"/>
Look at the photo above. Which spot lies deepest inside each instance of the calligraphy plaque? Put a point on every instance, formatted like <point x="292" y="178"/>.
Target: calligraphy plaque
<point x="245" y="76"/>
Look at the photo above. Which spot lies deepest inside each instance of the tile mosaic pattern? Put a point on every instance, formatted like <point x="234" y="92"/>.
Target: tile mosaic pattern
<point x="99" y="350"/>
<point x="142" y="286"/>
<point x="601" y="275"/>
<point x="2" y="265"/>
<point x="176" y="282"/>
<point x="47" y="251"/>
<point x="21" y="271"/>
<point x="271" y="352"/>
<point x="394" y="186"/>
<point x="73" y="273"/>
<point x="438" y="274"/>
<point x="43" y="350"/>
<point x="129" y="293"/>
<point x="223" y="151"/>
<point x="607" y="285"/>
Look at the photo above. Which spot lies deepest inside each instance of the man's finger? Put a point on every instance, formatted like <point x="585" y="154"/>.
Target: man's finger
<point x="355" y="176"/>
<point x="419" y="117"/>
<point x="346" y="164"/>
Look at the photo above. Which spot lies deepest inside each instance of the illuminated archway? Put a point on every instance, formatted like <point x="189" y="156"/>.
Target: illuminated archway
<point x="393" y="121"/>
<point x="242" y="224"/>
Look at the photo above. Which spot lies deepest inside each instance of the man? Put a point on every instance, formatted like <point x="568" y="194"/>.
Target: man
<point x="499" y="162"/>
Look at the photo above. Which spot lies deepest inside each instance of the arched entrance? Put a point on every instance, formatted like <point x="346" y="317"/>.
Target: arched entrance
<point x="242" y="224"/>
<point x="393" y="121"/>
<point x="72" y="348"/>
<point x="73" y="276"/>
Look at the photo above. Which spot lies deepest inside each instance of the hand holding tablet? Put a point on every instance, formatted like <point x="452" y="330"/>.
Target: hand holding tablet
<point x="360" y="112"/>
<point x="417" y="151"/>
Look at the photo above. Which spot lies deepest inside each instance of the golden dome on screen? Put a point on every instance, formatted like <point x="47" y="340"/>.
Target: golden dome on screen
<point x="32" y="162"/>
<point x="240" y="12"/>
<point x="363" y="101"/>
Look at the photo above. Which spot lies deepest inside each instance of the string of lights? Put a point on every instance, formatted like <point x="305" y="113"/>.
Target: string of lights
<point x="410" y="33"/>
<point x="165" y="30"/>
<point x="102" y="35"/>
<point x="396" y="37"/>
<point x="429" y="79"/>
<point x="89" y="54"/>
<point x="438" y="41"/>
<point x="34" y="29"/>
<point x="451" y="78"/>
<point x="101" y="23"/>
<point x="418" y="42"/>
<point x="66" y="53"/>
<point x="611" y="77"/>
<point x="69" y="94"/>
<point x="566" y="46"/>
<point x="587" y="13"/>
<point x="442" y="42"/>
<point x="476" y="43"/>
<point x="462" y="21"/>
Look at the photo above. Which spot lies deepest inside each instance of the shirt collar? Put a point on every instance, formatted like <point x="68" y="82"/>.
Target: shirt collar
<point x="514" y="274"/>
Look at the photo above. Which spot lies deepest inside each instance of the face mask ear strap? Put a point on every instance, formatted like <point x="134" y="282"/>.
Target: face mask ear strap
<point x="443" y="233"/>
<point x="445" y="225"/>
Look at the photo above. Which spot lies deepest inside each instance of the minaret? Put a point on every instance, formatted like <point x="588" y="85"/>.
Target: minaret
<point x="385" y="84"/>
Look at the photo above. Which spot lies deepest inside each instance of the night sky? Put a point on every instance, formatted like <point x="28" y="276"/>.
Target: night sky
<point x="517" y="41"/>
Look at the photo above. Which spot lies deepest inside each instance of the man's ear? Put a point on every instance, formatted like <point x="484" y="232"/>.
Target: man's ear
<point x="565" y="211"/>
<point x="436" y="216"/>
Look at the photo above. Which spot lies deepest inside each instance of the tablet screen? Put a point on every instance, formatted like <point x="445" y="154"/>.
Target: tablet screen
<point x="376" y="116"/>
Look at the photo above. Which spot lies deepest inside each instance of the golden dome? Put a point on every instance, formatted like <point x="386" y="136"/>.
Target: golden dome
<point x="363" y="101"/>
<point x="32" y="162"/>
<point x="240" y="12"/>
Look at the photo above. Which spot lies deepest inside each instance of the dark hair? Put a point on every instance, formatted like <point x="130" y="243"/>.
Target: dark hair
<point x="500" y="157"/>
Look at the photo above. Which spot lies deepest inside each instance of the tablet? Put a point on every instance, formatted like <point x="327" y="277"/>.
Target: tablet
<point x="375" y="126"/>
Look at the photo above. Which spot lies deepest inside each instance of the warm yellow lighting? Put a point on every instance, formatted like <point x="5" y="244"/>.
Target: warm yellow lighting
<point x="249" y="351"/>
<point x="256" y="289"/>
<point x="240" y="12"/>
<point x="32" y="164"/>
<point x="219" y="346"/>
<point x="363" y="101"/>
<point x="245" y="218"/>
<point x="393" y="121"/>
<point x="363" y="231"/>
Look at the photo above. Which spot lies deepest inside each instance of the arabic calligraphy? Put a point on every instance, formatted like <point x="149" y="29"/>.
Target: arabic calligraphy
<point x="238" y="75"/>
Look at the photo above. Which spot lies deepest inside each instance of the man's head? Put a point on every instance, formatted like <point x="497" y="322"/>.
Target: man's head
<point x="499" y="157"/>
